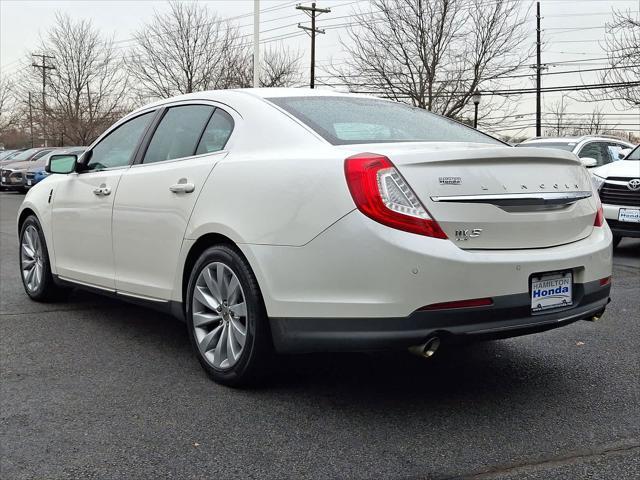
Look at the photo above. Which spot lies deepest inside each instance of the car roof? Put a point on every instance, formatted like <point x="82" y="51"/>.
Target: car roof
<point x="228" y="95"/>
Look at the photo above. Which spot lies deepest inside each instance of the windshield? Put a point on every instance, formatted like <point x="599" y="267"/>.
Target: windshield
<point x="25" y="155"/>
<point x="568" y="146"/>
<point x="634" y="155"/>
<point x="346" y="121"/>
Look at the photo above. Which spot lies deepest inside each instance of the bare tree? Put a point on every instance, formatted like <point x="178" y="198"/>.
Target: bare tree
<point x="86" y="91"/>
<point x="433" y="53"/>
<point x="622" y="44"/>
<point x="280" y="68"/>
<point x="595" y="123"/>
<point x="8" y="108"/>
<point x="186" y="50"/>
<point x="556" y="119"/>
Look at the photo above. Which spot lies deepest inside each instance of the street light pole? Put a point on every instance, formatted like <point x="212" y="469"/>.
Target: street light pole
<point x="476" y="101"/>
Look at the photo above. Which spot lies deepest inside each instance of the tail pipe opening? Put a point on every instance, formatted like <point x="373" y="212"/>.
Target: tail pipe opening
<point x="428" y="349"/>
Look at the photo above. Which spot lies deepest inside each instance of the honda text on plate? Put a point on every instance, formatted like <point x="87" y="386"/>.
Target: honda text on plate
<point x="284" y="220"/>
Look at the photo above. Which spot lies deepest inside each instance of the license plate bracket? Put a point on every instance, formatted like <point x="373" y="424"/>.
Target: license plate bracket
<point x="551" y="290"/>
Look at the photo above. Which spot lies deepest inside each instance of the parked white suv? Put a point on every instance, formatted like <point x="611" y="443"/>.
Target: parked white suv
<point x="592" y="150"/>
<point x="300" y="220"/>
<point x="619" y="187"/>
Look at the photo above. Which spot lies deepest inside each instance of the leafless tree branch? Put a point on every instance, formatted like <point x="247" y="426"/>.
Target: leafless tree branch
<point x="433" y="53"/>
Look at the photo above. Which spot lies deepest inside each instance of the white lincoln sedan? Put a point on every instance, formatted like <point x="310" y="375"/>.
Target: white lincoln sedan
<point x="285" y="220"/>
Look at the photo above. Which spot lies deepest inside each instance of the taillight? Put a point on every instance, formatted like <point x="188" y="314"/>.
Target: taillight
<point x="382" y="194"/>
<point x="599" y="220"/>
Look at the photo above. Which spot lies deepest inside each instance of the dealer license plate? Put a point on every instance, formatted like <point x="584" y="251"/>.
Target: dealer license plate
<point x="28" y="182"/>
<point x="4" y="179"/>
<point x="551" y="290"/>
<point x="629" y="215"/>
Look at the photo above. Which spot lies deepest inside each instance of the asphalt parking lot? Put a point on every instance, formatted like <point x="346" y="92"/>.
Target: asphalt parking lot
<point x="95" y="388"/>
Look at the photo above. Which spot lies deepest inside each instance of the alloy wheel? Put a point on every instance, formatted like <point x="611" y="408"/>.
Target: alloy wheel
<point x="219" y="315"/>
<point x="31" y="260"/>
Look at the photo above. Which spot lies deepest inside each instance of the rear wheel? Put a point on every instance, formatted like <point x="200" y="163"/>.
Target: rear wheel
<point x="35" y="268"/>
<point x="616" y="240"/>
<point x="226" y="318"/>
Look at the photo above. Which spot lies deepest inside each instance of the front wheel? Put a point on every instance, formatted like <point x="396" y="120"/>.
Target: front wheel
<point x="227" y="321"/>
<point x="35" y="267"/>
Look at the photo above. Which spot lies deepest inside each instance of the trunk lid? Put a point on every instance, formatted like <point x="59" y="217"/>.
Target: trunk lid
<point x="494" y="197"/>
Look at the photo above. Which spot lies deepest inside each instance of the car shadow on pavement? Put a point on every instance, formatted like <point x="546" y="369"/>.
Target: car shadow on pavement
<point x="486" y="371"/>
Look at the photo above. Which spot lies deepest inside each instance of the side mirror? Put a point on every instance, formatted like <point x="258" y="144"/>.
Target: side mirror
<point x="589" y="162"/>
<point x="61" y="164"/>
<point x="623" y="153"/>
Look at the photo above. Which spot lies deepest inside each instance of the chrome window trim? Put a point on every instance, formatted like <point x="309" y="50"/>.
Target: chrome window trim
<point x="181" y="103"/>
<point x="180" y="159"/>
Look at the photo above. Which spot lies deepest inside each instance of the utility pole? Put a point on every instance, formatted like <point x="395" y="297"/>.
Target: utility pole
<point x="30" y="120"/>
<point x="538" y="74"/>
<point x="256" y="43"/>
<point x="312" y="11"/>
<point x="45" y="68"/>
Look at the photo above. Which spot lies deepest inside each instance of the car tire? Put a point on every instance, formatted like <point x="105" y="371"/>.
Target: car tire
<point x="233" y="349"/>
<point x="38" y="280"/>
<point x="616" y="240"/>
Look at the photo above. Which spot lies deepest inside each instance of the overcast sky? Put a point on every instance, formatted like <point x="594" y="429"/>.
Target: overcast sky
<point x="573" y="31"/>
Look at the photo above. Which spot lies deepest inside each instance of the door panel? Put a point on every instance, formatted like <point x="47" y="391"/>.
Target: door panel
<point x="81" y="226"/>
<point x="83" y="205"/>
<point x="150" y="217"/>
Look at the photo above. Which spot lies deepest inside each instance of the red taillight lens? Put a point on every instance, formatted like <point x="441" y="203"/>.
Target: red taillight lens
<point x="599" y="220"/>
<point x="605" y="281"/>
<point x="382" y="194"/>
<point x="475" y="302"/>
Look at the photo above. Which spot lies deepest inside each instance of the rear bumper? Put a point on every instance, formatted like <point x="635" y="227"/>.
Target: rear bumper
<point x="509" y="316"/>
<point x="360" y="269"/>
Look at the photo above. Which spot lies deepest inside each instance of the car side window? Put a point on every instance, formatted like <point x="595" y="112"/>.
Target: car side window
<point x="178" y="133"/>
<point x="594" y="150"/>
<point x="217" y="133"/>
<point x="117" y="148"/>
<point x="614" y="149"/>
<point x="40" y="155"/>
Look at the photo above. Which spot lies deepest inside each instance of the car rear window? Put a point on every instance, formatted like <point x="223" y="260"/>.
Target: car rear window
<point x="348" y="120"/>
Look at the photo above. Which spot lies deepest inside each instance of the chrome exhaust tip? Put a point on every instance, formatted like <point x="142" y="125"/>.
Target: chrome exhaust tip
<point x="596" y="316"/>
<point x="427" y="349"/>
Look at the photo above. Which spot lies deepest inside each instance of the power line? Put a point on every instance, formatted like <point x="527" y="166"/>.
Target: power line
<point x="565" y="72"/>
<point x="508" y="92"/>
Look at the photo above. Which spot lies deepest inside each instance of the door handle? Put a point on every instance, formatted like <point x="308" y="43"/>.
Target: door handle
<point x="183" y="186"/>
<point x="102" y="191"/>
